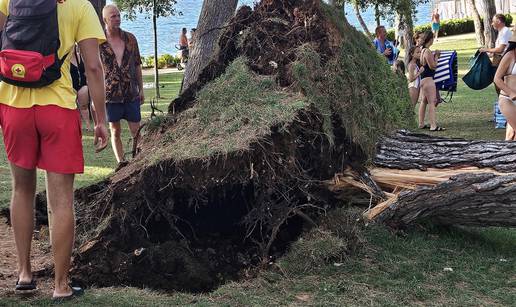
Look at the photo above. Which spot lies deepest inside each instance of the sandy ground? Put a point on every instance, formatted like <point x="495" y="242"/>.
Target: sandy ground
<point x="41" y="262"/>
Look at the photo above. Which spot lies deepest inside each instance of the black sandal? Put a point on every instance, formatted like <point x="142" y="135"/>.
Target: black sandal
<point x="26" y="287"/>
<point x="76" y="292"/>
<point x="438" y="129"/>
<point x="425" y="127"/>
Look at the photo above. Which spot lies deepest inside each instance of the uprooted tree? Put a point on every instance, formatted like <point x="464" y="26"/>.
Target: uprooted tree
<point x="293" y="96"/>
<point x="244" y="160"/>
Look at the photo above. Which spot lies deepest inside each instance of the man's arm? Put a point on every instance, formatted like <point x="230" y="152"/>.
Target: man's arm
<point x="95" y="76"/>
<point x="498" y="49"/>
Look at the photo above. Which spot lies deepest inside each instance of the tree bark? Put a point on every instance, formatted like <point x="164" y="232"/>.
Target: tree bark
<point x="447" y="181"/>
<point x="489" y="12"/>
<point x="479" y="26"/>
<point x="377" y="15"/>
<point x="361" y="20"/>
<point x="155" y="32"/>
<point x="409" y="34"/>
<point x="214" y="15"/>
<point x="482" y="199"/>
<point x="408" y="150"/>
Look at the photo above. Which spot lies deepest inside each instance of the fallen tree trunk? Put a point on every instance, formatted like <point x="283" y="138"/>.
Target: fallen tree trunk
<point x="407" y="150"/>
<point x="447" y="181"/>
<point x="481" y="199"/>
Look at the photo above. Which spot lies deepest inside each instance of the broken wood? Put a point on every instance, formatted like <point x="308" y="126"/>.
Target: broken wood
<point x="449" y="181"/>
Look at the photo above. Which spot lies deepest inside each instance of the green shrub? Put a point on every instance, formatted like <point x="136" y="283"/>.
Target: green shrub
<point x="162" y="62"/>
<point x="508" y="20"/>
<point x="168" y="59"/>
<point x="149" y="61"/>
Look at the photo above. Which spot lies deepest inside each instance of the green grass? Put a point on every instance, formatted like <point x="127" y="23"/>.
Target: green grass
<point x="231" y="112"/>
<point x="390" y="270"/>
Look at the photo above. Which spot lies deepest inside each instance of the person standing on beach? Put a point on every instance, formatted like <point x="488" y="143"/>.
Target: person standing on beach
<point x="183" y="45"/>
<point x="41" y="125"/>
<point x="436" y="23"/>
<point x="124" y="84"/>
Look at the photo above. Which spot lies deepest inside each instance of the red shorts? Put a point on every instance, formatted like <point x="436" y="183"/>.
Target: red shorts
<point x="47" y="137"/>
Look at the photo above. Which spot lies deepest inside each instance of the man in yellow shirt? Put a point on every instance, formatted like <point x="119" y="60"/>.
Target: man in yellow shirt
<point x="42" y="129"/>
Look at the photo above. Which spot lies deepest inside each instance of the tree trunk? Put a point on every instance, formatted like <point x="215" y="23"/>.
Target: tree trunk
<point x="479" y="26"/>
<point x="155" y="29"/>
<point x="448" y="181"/>
<point x="214" y="15"/>
<point x="377" y="15"/>
<point x="409" y="33"/>
<point x="420" y="151"/>
<point x="361" y="20"/>
<point x="99" y="5"/>
<point x="482" y="199"/>
<point x="489" y="12"/>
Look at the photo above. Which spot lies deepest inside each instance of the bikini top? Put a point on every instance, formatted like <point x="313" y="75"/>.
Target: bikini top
<point x="428" y="73"/>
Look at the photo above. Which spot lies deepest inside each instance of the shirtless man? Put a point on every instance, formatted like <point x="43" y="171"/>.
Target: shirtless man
<point x="183" y="45"/>
<point x="436" y="23"/>
<point x="124" y="85"/>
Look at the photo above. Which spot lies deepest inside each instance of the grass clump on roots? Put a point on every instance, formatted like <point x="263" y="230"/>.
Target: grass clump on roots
<point x="338" y="236"/>
<point x="231" y="112"/>
<point x="370" y="99"/>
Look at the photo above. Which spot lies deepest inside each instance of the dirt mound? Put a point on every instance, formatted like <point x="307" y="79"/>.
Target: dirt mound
<point x="235" y="172"/>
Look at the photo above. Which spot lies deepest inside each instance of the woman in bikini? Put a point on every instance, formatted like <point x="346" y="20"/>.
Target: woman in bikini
<point x="414" y="74"/>
<point x="505" y="79"/>
<point x="428" y="89"/>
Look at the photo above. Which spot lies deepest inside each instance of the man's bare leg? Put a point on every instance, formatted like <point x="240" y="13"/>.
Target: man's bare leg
<point x="22" y="217"/>
<point x="116" y="141"/>
<point x="60" y="200"/>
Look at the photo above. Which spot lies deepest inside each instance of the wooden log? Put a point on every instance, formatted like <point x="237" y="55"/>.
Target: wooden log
<point x="406" y="150"/>
<point x="445" y="180"/>
<point x="482" y="199"/>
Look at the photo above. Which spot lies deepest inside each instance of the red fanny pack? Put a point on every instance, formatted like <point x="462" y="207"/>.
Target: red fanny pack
<point x="22" y="65"/>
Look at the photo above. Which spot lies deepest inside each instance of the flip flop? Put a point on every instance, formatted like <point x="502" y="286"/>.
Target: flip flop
<point x="26" y="287"/>
<point x="438" y="129"/>
<point x="425" y="127"/>
<point x="76" y="292"/>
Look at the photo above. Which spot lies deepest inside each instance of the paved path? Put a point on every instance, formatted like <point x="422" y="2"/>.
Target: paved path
<point x="150" y="71"/>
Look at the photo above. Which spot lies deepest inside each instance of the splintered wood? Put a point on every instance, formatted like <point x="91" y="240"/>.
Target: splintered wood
<point x="394" y="181"/>
<point x="452" y="181"/>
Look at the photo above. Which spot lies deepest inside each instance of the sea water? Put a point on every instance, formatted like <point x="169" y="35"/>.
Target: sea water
<point x="169" y="28"/>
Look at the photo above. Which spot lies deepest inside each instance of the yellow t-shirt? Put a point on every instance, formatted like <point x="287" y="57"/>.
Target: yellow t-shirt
<point x="77" y="21"/>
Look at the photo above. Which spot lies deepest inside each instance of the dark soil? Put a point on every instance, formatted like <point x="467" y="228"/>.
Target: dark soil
<point x="197" y="223"/>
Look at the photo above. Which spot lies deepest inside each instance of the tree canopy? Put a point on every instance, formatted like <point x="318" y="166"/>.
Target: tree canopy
<point x="132" y="7"/>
